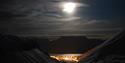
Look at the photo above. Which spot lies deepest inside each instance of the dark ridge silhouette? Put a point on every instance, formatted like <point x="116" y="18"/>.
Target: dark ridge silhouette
<point x="14" y="43"/>
<point x="116" y="48"/>
<point x="15" y="49"/>
<point x="73" y="44"/>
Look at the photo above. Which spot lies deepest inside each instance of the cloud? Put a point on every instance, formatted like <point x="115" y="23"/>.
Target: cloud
<point x="82" y="5"/>
<point x="39" y="17"/>
<point x="54" y="26"/>
<point x="34" y="8"/>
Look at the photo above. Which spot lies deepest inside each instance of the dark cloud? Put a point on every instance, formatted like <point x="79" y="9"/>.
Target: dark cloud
<point x="56" y="26"/>
<point x="42" y="17"/>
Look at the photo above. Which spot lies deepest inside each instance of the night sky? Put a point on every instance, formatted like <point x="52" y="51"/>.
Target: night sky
<point x="43" y="17"/>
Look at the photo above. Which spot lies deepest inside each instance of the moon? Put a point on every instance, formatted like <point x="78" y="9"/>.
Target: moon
<point x="69" y="7"/>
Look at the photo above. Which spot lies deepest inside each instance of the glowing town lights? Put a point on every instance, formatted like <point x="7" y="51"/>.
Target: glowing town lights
<point x="69" y="7"/>
<point x="67" y="57"/>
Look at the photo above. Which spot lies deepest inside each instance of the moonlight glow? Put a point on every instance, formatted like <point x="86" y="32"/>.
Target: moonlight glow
<point x="69" y="7"/>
